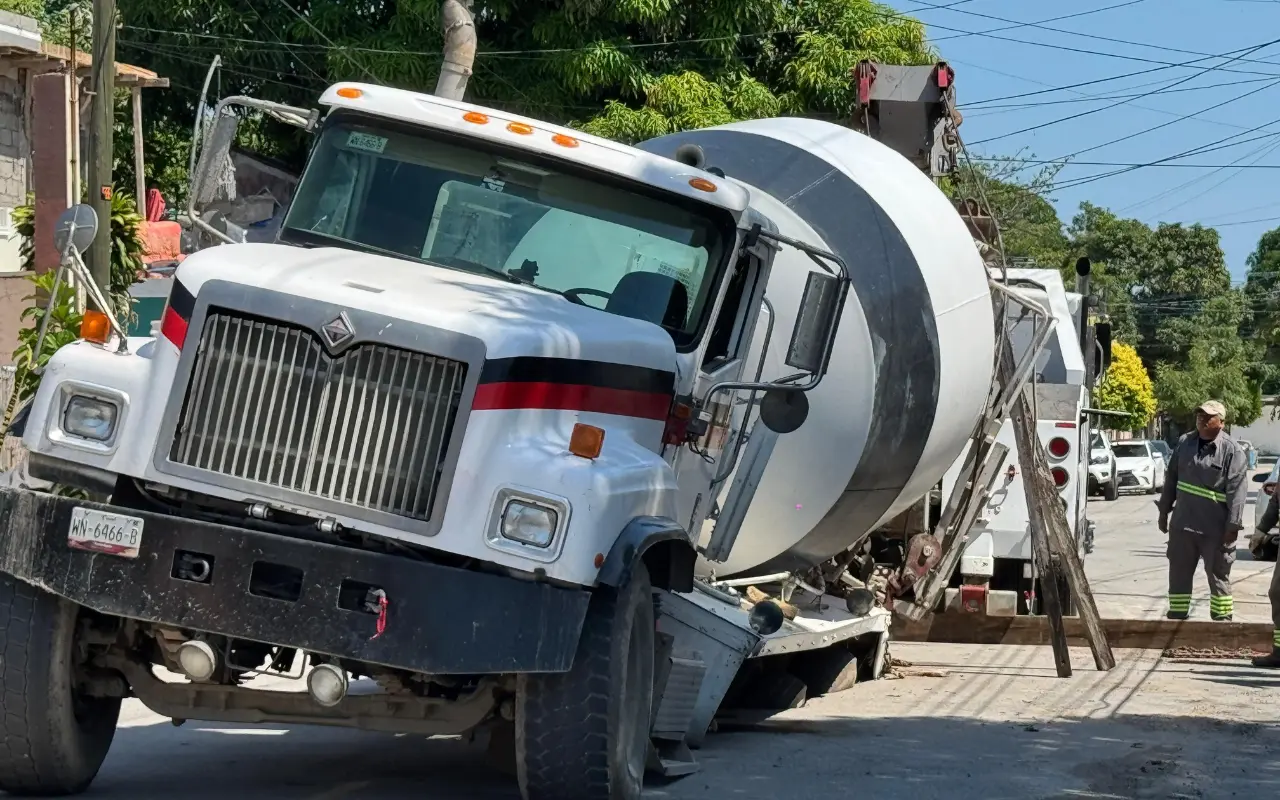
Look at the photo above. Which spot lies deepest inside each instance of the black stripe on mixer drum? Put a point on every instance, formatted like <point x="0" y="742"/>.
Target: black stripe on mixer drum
<point x="895" y="300"/>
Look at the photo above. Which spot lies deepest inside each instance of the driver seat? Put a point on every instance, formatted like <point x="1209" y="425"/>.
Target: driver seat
<point x="651" y="297"/>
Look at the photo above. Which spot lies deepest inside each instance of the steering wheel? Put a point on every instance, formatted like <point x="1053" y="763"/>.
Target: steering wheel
<point x="573" y="295"/>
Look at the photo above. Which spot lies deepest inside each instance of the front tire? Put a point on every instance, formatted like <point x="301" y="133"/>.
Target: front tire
<point x="1111" y="491"/>
<point x="54" y="739"/>
<point x="584" y="734"/>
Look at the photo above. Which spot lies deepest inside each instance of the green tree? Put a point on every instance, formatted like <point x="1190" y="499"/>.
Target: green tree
<point x="628" y="69"/>
<point x="1214" y="362"/>
<point x="1262" y="297"/>
<point x="1127" y="388"/>
<point x="1029" y="224"/>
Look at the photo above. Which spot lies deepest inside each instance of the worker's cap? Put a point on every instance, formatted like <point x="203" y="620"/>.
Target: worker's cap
<point x="1213" y="409"/>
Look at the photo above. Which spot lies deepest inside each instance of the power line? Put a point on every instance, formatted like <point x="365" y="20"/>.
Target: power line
<point x="1091" y="98"/>
<point x="1095" y="81"/>
<point x="1167" y="123"/>
<point x="1179" y="82"/>
<point x="1040" y="24"/>
<point x="1093" y="36"/>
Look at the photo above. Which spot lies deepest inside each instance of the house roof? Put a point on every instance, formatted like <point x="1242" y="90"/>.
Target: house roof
<point x="126" y="74"/>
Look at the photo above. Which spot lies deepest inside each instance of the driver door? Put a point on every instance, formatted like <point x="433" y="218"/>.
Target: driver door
<point x="702" y="467"/>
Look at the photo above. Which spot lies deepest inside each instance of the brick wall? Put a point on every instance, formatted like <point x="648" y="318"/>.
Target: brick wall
<point x="13" y="144"/>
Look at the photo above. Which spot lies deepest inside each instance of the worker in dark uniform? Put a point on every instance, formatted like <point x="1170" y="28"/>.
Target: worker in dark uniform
<point x="1205" y="492"/>
<point x="1269" y="518"/>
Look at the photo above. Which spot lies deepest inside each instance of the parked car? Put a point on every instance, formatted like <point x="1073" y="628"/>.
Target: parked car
<point x="1138" y="466"/>
<point x="1102" y="467"/>
<point x="1269" y="548"/>
<point x="1162" y="447"/>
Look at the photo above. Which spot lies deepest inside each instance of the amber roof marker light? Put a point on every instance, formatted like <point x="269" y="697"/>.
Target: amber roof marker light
<point x="350" y="92"/>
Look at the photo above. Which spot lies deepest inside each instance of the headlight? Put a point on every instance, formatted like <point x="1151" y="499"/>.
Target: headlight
<point x="529" y="524"/>
<point x="1100" y="459"/>
<point x="90" y="418"/>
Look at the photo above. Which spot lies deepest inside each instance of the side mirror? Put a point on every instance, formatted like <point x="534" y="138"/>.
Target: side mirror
<point x="784" y="410"/>
<point x="812" y="338"/>
<point x="75" y="229"/>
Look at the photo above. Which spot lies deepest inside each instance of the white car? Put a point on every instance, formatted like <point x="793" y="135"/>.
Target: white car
<point x="1267" y="549"/>
<point x="1102" y="467"/>
<point x="1138" y="466"/>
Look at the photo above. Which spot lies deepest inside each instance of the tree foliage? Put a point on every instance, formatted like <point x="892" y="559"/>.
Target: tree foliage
<point x="1029" y="225"/>
<point x="628" y="69"/>
<point x="1127" y="388"/>
<point x="1262" y="298"/>
<point x="1214" y="363"/>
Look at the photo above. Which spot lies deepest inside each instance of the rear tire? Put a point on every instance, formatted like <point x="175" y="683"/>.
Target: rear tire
<point x="53" y="740"/>
<point x="584" y="734"/>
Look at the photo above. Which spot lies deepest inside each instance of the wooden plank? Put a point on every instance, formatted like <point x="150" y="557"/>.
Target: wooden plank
<point x="1125" y="634"/>
<point x="1047" y="514"/>
<point x="1041" y="497"/>
<point x="139" y="175"/>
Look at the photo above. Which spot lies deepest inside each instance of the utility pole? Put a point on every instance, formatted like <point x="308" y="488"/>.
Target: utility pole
<point x="100" y="138"/>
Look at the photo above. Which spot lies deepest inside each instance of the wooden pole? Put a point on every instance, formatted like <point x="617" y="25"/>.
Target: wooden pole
<point x="1056" y="552"/>
<point x="1041" y="495"/>
<point x="139" y="176"/>
<point x="100" y="141"/>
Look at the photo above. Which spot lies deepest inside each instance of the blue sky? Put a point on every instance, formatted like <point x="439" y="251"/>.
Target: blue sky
<point x="1241" y="202"/>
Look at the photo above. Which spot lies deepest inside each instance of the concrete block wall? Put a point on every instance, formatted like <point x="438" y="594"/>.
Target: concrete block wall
<point x="14" y="153"/>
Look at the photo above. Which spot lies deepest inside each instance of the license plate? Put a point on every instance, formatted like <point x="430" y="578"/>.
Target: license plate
<point x="100" y="532"/>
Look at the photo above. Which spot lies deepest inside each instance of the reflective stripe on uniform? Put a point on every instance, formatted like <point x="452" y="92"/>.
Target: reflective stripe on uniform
<point x="1222" y="605"/>
<point x="1201" y="491"/>
<point x="1179" y="602"/>
<point x="1276" y="638"/>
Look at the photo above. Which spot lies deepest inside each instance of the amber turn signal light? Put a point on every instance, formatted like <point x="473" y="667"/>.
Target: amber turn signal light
<point x="95" y="327"/>
<point x="586" y="441"/>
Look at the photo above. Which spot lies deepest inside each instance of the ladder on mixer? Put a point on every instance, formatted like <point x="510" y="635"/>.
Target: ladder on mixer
<point x="985" y="456"/>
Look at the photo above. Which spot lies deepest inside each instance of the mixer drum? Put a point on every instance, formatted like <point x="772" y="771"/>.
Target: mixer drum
<point x="912" y="365"/>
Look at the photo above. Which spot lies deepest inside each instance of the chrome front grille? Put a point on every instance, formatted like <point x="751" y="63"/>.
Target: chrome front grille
<point x="369" y="428"/>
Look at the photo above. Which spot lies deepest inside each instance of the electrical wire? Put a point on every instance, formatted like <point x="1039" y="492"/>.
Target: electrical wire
<point x="1089" y="98"/>
<point x="1167" y="123"/>
<point x="1178" y="82"/>
<point x="1092" y="36"/>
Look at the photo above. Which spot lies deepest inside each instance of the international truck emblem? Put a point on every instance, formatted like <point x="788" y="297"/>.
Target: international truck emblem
<point x="338" y="331"/>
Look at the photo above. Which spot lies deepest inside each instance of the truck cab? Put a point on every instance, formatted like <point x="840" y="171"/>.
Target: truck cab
<point x="489" y="361"/>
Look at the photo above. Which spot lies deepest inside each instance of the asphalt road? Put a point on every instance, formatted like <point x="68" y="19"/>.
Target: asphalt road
<point x="967" y="722"/>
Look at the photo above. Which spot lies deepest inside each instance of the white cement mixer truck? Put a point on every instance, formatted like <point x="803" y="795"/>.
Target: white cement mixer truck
<point x="509" y="427"/>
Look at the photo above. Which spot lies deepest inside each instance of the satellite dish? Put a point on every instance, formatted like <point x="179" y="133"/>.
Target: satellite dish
<point x="75" y="229"/>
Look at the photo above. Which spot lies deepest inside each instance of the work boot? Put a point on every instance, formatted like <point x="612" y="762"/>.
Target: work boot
<point x="1176" y="615"/>
<point x="1269" y="662"/>
<point x="1220" y="617"/>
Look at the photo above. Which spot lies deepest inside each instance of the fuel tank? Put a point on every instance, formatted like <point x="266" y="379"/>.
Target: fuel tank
<point x="914" y="357"/>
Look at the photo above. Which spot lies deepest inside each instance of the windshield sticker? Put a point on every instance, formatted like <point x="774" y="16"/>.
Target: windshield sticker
<point x="367" y="142"/>
<point x="494" y="181"/>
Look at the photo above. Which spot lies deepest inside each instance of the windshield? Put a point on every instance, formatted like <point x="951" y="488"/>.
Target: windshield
<point x="466" y="205"/>
<point x="1130" y="450"/>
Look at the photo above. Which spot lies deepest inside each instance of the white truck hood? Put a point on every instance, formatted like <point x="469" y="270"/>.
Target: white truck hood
<point x="512" y="320"/>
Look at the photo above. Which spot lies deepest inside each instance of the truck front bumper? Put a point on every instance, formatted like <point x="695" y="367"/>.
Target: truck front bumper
<point x="280" y="590"/>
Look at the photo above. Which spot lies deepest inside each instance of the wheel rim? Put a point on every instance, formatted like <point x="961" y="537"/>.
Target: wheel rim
<point x="631" y="740"/>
